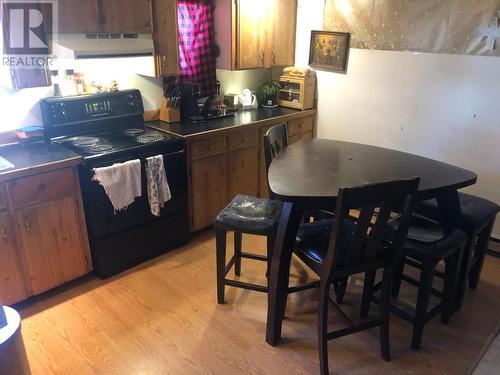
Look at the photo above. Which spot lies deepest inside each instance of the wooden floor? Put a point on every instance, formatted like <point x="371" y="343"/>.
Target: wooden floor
<point x="162" y="318"/>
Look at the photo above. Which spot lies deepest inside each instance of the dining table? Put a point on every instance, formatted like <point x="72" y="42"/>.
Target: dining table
<point x="308" y="174"/>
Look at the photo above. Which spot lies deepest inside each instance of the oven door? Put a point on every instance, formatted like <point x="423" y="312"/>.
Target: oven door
<point x="101" y="218"/>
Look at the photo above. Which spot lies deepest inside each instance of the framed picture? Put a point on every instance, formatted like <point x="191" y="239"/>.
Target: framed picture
<point x="329" y="50"/>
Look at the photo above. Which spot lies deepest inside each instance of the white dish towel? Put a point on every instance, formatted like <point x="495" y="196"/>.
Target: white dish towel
<point x="121" y="182"/>
<point x="158" y="189"/>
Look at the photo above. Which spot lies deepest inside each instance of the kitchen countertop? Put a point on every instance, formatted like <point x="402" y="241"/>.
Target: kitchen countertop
<point x="241" y="118"/>
<point x="35" y="158"/>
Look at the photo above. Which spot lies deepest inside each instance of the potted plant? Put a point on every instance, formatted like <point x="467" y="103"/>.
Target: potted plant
<point x="267" y="94"/>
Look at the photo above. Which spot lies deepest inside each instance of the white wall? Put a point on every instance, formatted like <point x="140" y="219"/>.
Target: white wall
<point x="445" y="107"/>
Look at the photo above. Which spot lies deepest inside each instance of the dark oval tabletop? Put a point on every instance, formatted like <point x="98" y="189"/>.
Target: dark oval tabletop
<point x="317" y="168"/>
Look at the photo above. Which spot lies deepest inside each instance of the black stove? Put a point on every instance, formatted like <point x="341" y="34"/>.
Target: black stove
<point x="106" y="129"/>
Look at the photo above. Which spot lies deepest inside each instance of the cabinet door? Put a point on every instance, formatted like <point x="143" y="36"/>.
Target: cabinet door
<point x="75" y="16"/>
<point x="251" y="32"/>
<point x="282" y="25"/>
<point x="244" y="172"/>
<point x="165" y="37"/>
<point x="125" y="16"/>
<point x="51" y="244"/>
<point x="11" y="281"/>
<point x="209" y="189"/>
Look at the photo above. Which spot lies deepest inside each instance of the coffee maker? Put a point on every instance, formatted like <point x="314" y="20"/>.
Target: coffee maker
<point x="193" y="112"/>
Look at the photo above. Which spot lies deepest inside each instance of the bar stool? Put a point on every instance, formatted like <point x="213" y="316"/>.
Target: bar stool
<point x="477" y="220"/>
<point x="244" y="214"/>
<point x="428" y="243"/>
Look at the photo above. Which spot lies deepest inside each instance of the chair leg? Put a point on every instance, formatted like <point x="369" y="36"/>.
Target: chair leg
<point x="322" y="327"/>
<point x="220" y="239"/>
<point x="463" y="275"/>
<point x="398" y="273"/>
<point x="367" y="293"/>
<point x="237" y="253"/>
<point x="270" y="248"/>
<point x="340" y="286"/>
<point x="451" y="283"/>
<point x="480" y="254"/>
<point x="385" y="346"/>
<point x="424" y="294"/>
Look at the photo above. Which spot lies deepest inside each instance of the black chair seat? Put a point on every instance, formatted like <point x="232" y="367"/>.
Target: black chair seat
<point x="313" y="238"/>
<point x="476" y="211"/>
<point x="426" y="236"/>
<point x="250" y="215"/>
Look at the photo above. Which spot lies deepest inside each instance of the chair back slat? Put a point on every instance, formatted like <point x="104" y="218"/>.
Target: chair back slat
<point x="275" y="140"/>
<point x="368" y="245"/>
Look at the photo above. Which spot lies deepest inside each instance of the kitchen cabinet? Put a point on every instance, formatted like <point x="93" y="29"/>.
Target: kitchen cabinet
<point x="210" y="193"/>
<point x="125" y="16"/>
<point x="228" y="162"/>
<point x="105" y="16"/>
<point x="50" y="243"/>
<point x="43" y="233"/>
<point x="11" y="280"/>
<point x="74" y="16"/>
<point x="255" y="33"/>
<point x="165" y="37"/>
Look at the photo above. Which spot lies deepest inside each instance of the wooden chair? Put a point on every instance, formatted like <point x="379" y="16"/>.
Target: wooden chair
<point x="355" y="247"/>
<point x="428" y="244"/>
<point x="477" y="220"/>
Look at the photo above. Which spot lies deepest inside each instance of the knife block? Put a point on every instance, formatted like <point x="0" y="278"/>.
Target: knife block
<point x="169" y="114"/>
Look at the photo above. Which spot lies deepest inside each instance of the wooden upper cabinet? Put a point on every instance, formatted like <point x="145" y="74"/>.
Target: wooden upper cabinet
<point x="75" y="16"/>
<point x="11" y="280"/>
<point x="125" y="16"/>
<point x="282" y="28"/>
<point x="255" y="33"/>
<point x="250" y="36"/>
<point x="165" y="37"/>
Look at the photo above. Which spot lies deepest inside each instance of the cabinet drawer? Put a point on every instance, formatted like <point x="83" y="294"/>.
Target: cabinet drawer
<point x="208" y="147"/>
<point x="300" y="125"/>
<point x="243" y="139"/>
<point x="41" y="188"/>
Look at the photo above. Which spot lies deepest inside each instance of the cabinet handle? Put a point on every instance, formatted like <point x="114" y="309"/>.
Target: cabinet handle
<point x="4" y="233"/>
<point x="262" y="55"/>
<point x="27" y="221"/>
<point x="163" y="60"/>
<point x="273" y="56"/>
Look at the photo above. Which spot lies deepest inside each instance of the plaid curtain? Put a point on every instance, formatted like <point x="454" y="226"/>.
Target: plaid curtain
<point x="197" y="44"/>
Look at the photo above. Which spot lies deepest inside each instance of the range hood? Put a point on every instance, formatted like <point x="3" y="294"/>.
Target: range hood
<point x="96" y="45"/>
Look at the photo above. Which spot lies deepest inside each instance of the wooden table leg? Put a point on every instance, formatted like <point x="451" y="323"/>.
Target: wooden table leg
<point x="280" y="270"/>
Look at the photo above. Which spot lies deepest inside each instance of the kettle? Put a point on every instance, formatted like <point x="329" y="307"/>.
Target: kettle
<point x="248" y="99"/>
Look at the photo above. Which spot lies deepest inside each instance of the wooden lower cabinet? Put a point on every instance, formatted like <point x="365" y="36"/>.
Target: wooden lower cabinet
<point x="232" y="162"/>
<point x="209" y="192"/>
<point x="243" y="172"/>
<point x="11" y="279"/>
<point x="50" y="244"/>
<point x="43" y="235"/>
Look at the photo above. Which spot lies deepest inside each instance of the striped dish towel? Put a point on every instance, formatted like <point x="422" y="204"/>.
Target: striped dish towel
<point x="158" y="189"/>
<point x="121" y="182"/>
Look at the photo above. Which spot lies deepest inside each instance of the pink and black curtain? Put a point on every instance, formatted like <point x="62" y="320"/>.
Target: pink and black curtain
<point x="197" y="56"/>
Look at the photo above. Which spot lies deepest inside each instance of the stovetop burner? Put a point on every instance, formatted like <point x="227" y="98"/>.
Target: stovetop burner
<point x="98" y="149"/>
<point x="150" y="137"/>
<point x="85" y="141"/>
<point x="132" y="132"/>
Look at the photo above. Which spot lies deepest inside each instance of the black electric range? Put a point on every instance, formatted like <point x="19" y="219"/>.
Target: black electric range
<point x="106" y="129"/>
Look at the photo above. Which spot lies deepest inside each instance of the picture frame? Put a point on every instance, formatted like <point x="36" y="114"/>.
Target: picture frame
<point x="329" y="50"/>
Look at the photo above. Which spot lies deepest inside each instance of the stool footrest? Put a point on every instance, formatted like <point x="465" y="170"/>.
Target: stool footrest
<point x="416" y="283"/>
<point x="230" y="265"/>
<point x="241" y="284"/>
<point x="262" y="258"/>
<point x="418" y="266"/>
<point x="300" y="288"/>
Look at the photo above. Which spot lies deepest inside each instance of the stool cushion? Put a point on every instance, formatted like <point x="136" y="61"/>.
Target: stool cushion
<point x="476" y="211"/>
<point x="250" y="215"/>
<point x="426" y="236"/>
<point x="313" y="238"/>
